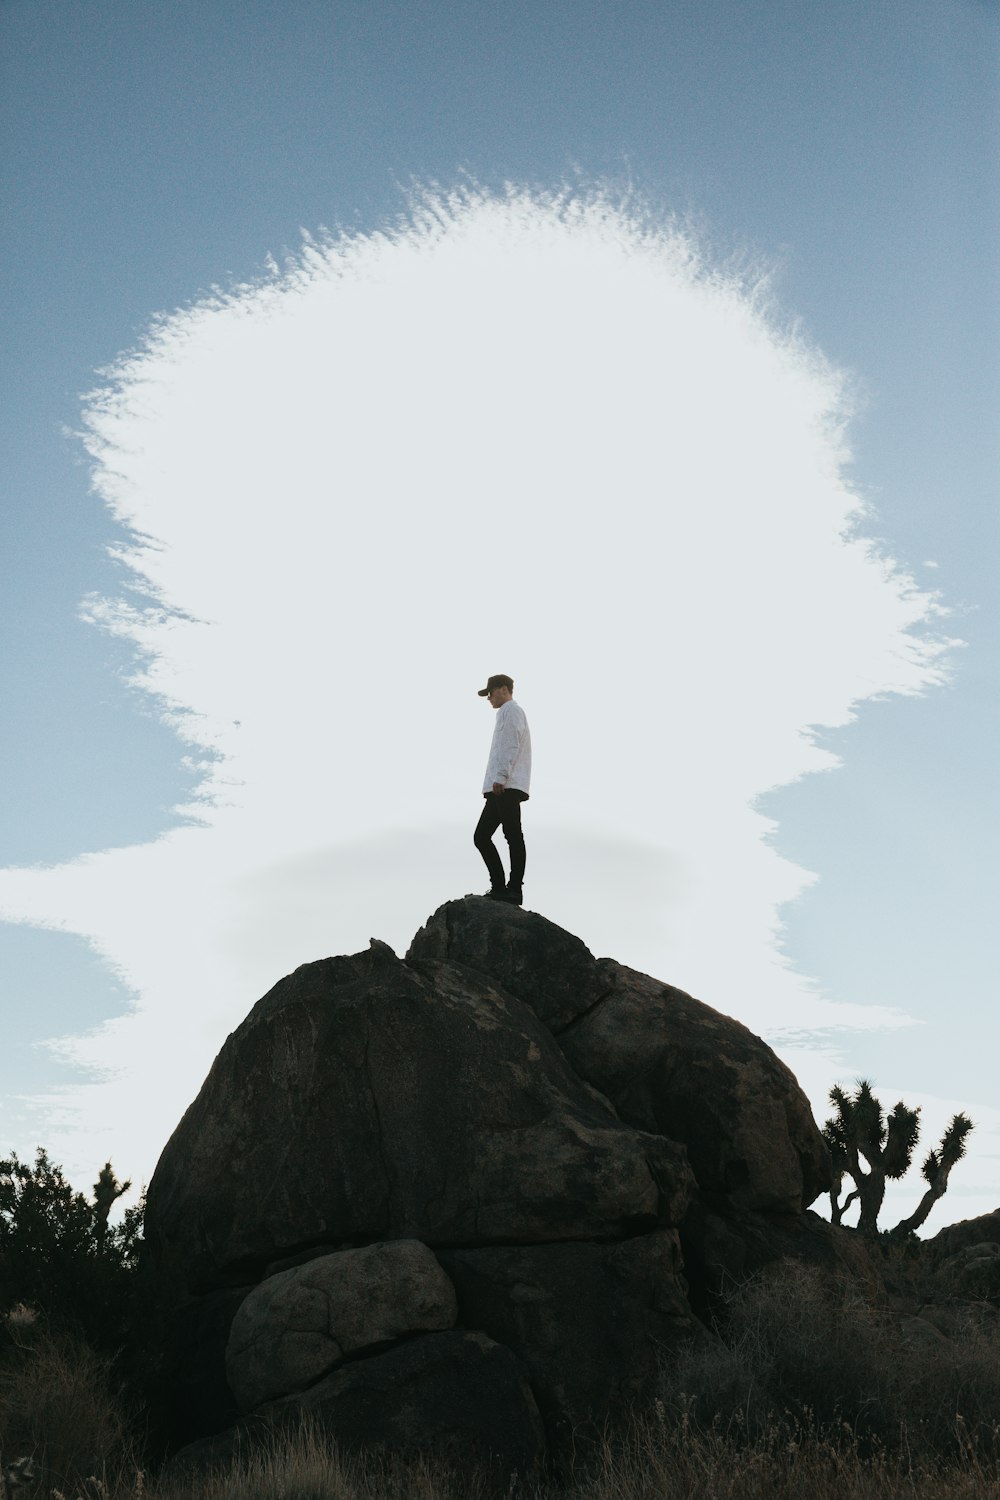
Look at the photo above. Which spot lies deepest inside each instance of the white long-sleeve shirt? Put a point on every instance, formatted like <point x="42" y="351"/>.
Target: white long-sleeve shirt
<point x="510" y="753"/>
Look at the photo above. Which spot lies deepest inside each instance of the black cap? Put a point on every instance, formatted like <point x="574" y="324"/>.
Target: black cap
<point x="499" y="679"/>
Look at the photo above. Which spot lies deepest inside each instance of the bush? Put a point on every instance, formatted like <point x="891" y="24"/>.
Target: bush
<point x="60" y="1254"/>
<point x="799" y="1350"/>
<point x="666" y="1455"/>
<point x="660" y="1460"/>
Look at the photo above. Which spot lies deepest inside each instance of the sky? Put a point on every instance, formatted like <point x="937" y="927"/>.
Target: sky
<point x="647" y="352"/>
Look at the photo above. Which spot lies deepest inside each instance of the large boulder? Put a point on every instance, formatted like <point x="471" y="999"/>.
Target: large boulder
<point x="669" y="1063"/>
<point x="297" y="1325"/>
<point x="361" y="1101"/>
<point x="497" y="1133"/>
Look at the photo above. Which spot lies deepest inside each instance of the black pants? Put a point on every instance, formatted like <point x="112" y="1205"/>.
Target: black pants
<point x="502" y="810"/>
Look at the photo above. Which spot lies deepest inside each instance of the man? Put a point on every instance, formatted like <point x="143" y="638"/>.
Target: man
<point x="505" y="787"/>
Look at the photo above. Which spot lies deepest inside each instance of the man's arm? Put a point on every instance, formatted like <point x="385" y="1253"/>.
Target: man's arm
<point x="511" y="730"/>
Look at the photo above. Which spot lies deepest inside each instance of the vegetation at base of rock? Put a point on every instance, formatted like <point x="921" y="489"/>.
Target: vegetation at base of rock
<point x="656" y="1460"/>
<point x="60" y="1255"/>
<point x="862" y="1129"/>
<point x="62" y="1408"/>
<point x="813" y="1385"/>
<point x="801" y="1350"/>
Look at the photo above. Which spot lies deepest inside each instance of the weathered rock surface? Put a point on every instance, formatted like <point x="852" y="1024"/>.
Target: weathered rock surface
<point x="499" y="1129"/>
<point x="965" y="1233"/>
<point x="669" y="1063"/>
<point x="542" y="964"/>
<point x="359" y="1101"/>
<point x="458" y="1396"/>
<point x="296" y="1326"/>
<point x="672" y="1064"/>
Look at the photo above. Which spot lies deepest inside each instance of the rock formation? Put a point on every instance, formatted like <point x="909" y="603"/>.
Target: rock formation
<point x="297" y="1325"/>
<point x="966" y="1257"/>
<point x="469" y="1199"/>
<point x="668" y="1063"/>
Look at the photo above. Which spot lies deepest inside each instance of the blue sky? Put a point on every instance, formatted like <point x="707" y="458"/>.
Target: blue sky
<point x="152" y="152"/>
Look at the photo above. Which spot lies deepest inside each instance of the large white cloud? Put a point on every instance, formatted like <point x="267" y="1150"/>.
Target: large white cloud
<point x="527" y="434"/>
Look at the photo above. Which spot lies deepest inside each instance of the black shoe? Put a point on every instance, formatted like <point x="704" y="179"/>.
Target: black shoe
<point x="495" y="893"/>
<point x="512" y="897"/>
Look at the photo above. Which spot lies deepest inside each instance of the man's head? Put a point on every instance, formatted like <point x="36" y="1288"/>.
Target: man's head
<point x="499" y="689"/>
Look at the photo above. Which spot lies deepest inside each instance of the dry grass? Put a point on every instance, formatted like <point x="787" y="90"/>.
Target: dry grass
<point x="305" y="1466"/>
<point x="801" y="1350"/>
<point x="658" y="1461"/>
<point x="59" y="1409"/>
<point x="302" y="1466"/>
<point x="813" y="1392"/>
<point x="683" y="1462"/>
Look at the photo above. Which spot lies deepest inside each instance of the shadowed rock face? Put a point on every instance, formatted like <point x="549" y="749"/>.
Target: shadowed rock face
<point x="458" y="1395"/>
<point x="499" y="1128"/>
<point x="589" y="1321"/>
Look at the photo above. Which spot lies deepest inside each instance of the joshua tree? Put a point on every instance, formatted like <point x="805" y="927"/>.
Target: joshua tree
<point x="107" y="1191"/>
<point x="861" y="1129"/>
<point x="936" y="1170"/>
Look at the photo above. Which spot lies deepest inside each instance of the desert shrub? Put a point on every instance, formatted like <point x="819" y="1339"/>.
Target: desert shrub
<point x="658" y="1459"/>
<point x="799" y="1348"/>
<point x="59" y="1407"/>
<point x="306" y="1465"/>
<point x="663" y="1458"/>
<point x="60" y="1254"/>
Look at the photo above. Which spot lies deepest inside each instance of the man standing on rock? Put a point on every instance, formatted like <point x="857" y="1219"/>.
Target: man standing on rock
<point x="505" y="787"/>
